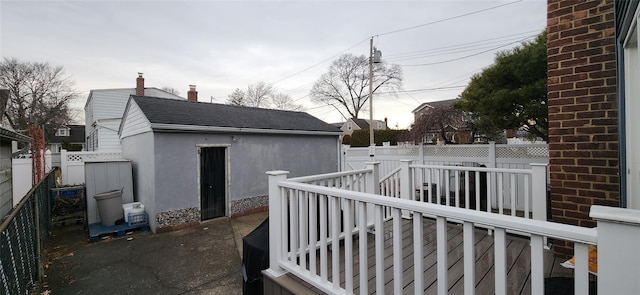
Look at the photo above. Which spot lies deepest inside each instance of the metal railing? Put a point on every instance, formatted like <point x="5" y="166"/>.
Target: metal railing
<point x="23" y="233"/>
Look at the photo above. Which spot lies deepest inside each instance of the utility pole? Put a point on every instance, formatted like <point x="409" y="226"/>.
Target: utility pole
<point x="371" y="141"/>
<point x="374" y="56"/>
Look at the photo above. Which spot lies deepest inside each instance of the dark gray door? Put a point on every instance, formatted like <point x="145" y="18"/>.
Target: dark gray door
<point x="212" y="182"/>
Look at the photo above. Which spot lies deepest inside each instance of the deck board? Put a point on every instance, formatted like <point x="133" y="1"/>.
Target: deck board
<point x="517" y="257"/>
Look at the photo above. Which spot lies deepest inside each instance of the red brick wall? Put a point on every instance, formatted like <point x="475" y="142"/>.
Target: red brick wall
<point x="583" y="140"/>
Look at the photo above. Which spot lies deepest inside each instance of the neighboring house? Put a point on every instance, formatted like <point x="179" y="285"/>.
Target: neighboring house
<point x="194" y="161"/>
<point x="69" y="137"/>
<point x="6" y="194"/>
<point x="7" y="139"/>
<point x="104" y="109"/>
<point x="460" y="132"/>
<point x="426" y="106"/>
<point x="361" y="124"/>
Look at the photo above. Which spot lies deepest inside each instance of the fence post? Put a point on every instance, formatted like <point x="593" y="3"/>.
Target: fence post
<point x="539" y="191"/>
<point x="47" y="161"/>
<point x="421" y="154"/>
<point x="64" y="167"/>
<point x="618" y="255"/>
<point x="276" y="220"/>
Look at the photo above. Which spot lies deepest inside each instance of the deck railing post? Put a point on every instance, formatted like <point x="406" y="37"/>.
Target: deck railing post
<point x="539" y="191"/>
<point x="373" y="178"/>
<point x="276" y="218"/>
<point x="406" y="184"/>
<point x="618" y="255"/>
<point x="373" y="187"/>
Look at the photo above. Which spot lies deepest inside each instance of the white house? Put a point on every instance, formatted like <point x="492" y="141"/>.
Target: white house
<point x="104" y="109"/>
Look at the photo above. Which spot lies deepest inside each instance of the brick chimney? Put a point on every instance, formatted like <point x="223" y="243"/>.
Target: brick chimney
<point x="140" y="85"/>
<point x="192" y="95"/>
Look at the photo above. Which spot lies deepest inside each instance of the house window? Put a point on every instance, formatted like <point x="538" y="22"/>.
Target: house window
<point x="379" y="125"/>
<point x="349" y="126"/>
<point x="62" y="132"/>
<point x="631" y="107"/>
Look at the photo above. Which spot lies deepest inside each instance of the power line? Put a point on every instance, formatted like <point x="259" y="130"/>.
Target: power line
<point x="319" y="63"/>
<point x="393" y="32"/>
<point x="448" y="19"/>
<point x="449" y="50"/>
<point x="466" y="56"/>
<point x="511" y="36"/>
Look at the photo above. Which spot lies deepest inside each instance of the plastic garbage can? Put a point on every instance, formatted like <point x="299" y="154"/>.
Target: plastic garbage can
<point x="110" y="207"/>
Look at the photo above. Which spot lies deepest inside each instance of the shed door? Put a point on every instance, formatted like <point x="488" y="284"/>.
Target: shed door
<point x="212" y="182"/>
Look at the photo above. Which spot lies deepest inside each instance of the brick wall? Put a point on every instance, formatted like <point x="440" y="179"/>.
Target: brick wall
<point x="583" y="139"/>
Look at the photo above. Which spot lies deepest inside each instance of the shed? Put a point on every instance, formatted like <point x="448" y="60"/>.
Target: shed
<point x="194" y="161"/>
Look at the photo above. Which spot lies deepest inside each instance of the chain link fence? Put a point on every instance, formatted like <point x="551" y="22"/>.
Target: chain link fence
<point x="24" y="231"/>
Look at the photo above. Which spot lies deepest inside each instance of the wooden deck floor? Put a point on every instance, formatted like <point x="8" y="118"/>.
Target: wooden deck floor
<point x="518" y="266"/>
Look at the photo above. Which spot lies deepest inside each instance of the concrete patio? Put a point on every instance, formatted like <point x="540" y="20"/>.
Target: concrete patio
<point x="199" y="260"/>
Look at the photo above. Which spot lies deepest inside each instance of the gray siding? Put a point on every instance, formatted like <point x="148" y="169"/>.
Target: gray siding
<point x="140" y="150"/>
<point x="6" y="192"/>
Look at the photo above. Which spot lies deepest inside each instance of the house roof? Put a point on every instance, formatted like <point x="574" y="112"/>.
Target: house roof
<point x="362" y="123"/>
<point x="166" y="112"/>
<point x="76" y="135"/>
<point x="444" y="103"/>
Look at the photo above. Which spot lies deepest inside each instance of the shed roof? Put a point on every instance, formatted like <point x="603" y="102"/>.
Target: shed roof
<point x="179" y="112"/>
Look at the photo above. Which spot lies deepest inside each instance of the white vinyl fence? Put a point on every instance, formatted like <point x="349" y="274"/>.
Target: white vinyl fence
<point x="22" y="178"/>
<point x="71" y="165"/>
<point x="511" y="156"/>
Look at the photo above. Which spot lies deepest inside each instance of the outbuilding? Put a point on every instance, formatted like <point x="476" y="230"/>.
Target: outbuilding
<point x="194" y="161"/>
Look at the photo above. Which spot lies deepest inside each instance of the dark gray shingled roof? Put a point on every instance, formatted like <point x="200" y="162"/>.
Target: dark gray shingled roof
<point x="182" y="112"/>
<point x="76" y="135"/>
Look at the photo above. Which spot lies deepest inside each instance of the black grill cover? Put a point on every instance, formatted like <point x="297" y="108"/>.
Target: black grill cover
<point x="255" y="258"/>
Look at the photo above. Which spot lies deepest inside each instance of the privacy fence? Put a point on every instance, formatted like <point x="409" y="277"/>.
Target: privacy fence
<point x="23" y="233"/>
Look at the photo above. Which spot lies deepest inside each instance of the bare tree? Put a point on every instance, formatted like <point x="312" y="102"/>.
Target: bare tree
<point x="237" y="97"/>
<point x="346" y="83"/>
<point x="442" y="122"/>
<point x="259" y="94"/>
<point x="39" y="93"/>
<point x="283" y="101"/>
<point x="171" y="90"/>
<point x="263" y="95"/>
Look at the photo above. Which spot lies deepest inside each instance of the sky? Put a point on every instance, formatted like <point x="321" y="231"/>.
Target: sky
<point x="223" y="45"/>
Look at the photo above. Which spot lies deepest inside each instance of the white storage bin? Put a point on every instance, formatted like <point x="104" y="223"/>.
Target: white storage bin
<point x="133" y="208"/>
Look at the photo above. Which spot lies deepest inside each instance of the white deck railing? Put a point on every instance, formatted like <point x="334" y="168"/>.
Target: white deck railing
<point x="300" y="215"/>
<point x="517" y="192"/>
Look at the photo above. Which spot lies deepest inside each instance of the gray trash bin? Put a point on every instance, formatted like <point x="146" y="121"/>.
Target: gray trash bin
<point x="110" y="207"/>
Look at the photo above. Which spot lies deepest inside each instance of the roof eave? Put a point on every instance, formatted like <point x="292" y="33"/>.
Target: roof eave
<point x="216" y="129"/>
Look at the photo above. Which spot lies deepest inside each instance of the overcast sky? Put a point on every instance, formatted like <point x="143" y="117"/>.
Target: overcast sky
<point x="223" y="45"/>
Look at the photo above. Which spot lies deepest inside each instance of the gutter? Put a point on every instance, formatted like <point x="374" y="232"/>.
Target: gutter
<point x="159" y="127"/>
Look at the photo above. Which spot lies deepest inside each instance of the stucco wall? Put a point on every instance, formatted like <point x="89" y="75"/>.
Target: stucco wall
<point x="250" y="156"/>
<point x="140" y="150"/>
